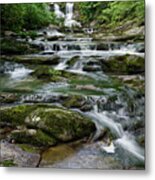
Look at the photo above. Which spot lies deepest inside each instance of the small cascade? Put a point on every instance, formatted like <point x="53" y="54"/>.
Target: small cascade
<point x="58" y="12"/>
<point x="128" y="143"/>
<point x="124" y="139"/>
<point x="69" y="21"/>
<point x="15" y="71"/>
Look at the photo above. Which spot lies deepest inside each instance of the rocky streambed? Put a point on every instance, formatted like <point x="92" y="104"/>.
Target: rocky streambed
<point x="72" y="102"/>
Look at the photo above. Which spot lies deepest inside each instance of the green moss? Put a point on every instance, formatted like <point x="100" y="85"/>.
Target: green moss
<point x="29" y="148"/>
<point x="15" y="115"/>
<point x="39" y="139"/>
<point x="128" y="64"/>
<point x="63" y="125"/>
<point x="48" y="74"/>
<point x="74" y="101"/>
<point x="7" y="163"/>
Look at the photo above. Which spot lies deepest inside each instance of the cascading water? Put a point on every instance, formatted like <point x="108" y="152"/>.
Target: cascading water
<point x="69" y="21"/>
<point x="58" y="12"/>
<point x="124" y="139"/>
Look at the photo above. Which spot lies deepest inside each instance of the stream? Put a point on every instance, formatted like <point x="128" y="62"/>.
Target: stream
<point x="119" y="116"/>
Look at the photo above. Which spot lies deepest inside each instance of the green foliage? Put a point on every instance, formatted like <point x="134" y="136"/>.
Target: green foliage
<point x="16" y="17"/>
<point x="111" y="13"/>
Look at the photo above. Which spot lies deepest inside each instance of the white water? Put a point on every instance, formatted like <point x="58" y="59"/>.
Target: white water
<point x="69" y="21"/>
<point x="19" y="73"/>
<point x="58" y="12"/>
<point x="128" y="143"/>
<point x="124" y="139"/>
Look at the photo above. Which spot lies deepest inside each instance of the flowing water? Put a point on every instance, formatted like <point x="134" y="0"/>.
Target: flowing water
<point x="118" y="117"/>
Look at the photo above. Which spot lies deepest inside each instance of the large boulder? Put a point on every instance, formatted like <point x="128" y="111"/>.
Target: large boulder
<point x="43" y="125"/>
<point x="64" y="125"/>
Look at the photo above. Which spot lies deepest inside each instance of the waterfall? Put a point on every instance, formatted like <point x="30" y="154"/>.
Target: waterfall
<point x="69" y="21"/>
<point x="58" y="12"/>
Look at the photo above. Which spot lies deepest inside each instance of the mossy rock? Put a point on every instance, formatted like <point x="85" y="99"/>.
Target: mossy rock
<point x="127" y="64"/>
<point x="38" y="60"/>
<point x="44" y="125"/>
<point x="15" y="115"/>
<point x="11" y="46"/>
<point x="72" y="61"/>
<point x="77" y="101"/>
<point x="48" y="74"/>
<point x="74" y="101"/>
<point x="33" y="137"/>
<point x="64" y="125"/>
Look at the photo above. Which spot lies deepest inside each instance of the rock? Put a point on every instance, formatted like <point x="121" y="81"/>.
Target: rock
<point x="127" y="64"/>
<point x="44" y="125"/>
<point x="141" y="48"/>
<point x="15" y="115"/>
<point x="72" y="61"/>
<point x="77" y="101"/>
<point x="11" y="46"/>
<point x="103" y="47"/>
<point x="90" y="68"/>
<point x="8" y="98"/>
<point x="52" y="35"/>
<point x="47" y="73"/>
<point x="12" y="155"/>
<point x="10" y="33"/>
<point x="134" y="81"/>
<point x="92" y="65"/>
<point x="56" y="154"/>
<point x="136" y="31"/>
<point x="32" y="137"/>
<point x="64" y="125"/>
<point x="52" y="60"/>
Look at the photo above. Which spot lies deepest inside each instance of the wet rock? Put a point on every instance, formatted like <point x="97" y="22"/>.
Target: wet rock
<point x="52" y="60"/>
<point x="32" y="137"/>
<point x="141" y="48"/>
<point x="12" y="155"/>
<point x="72" y="61"/>
<point x="43" y="98"/>
<point x="15" y="116"/>
<point x="103" y="47"/>
<point x="77" y="101"/>
<point x="11" y="46"/>
<point x="58" y="153"/>
<point x="44" y="125"/>
<point x="127" y="64"/>
<point x="92" y="65"/>
<point x="48" y="74"/>
<point x="62" y="124"/>
<point x="91" y="68"/>
<point x="8" y="98"/>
